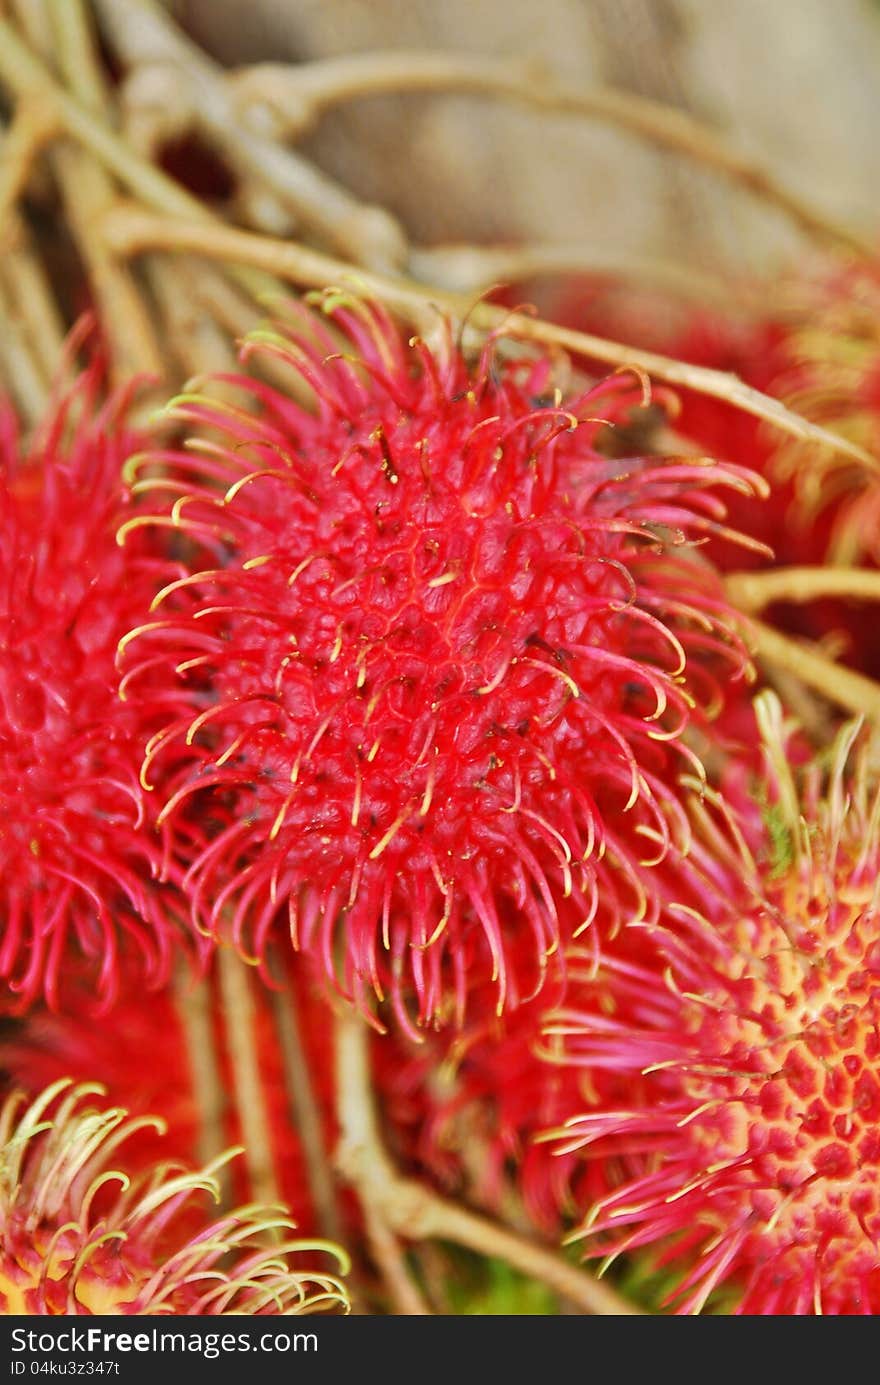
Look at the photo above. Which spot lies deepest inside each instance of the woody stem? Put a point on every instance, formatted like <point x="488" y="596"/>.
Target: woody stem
<point x="414" y="1212"/>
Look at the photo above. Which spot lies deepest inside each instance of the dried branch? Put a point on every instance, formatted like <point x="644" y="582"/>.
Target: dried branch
<point x="841" y="686"/>
<point x="156" y="106"/>
<point x="130" y="231"/>
<point x="306" y="1116"/>
<point x="752" y="591"/>
<point x="87" y="190"/>
<point x="199" y="343"/>
<point x="405" y="1295"/>
<point x="239" y="1016"/>
<point x="31" y="302"/>
<point x="22" y="72"/>
<point x="476" y="268"/>
<point x="192" y="1002"/>
<point x="19" y="369"/>
<point x="32" y="127"/>
<point x="296" y="95"/>
<point x="140" y="31"/>
<point x="414" y="1212"/>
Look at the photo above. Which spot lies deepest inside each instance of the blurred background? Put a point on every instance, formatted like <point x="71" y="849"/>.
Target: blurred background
<point x="792" y="83"/>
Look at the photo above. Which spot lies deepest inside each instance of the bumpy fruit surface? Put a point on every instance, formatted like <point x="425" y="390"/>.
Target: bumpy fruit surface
<point x="422" y="696"/>
<point x="743" y="1143"/>
<point x="78" y="856"/>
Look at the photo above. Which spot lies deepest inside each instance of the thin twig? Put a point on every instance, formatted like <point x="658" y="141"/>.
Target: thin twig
<point x="239" y="1014"/>
<point x="32" y="127"/>
<point x="19" y="370"/>
<point x="87" y="192"/>
<point x="840" y="685"/>
<point x="237" y="315"/>
<point x="752" y="591"/>
<point x="406" y="1297"/>
<point x="22" y="72"/>
<point x="235" y="312"/>
<point x="297" y="95"/>
<point x="156" y="107"/>
<point x="32" y="301"/>
<point x="414" y="1212"/>
<point x="33" y="18"/>
<point x="199" y="343"/>
<point x="130" y="231"/>
<point x="141" y="31"/>
<point x="476" y="268"/>
<point x="192" y="1001"/>
<point x="305" y="1114"/>
<point x="76" y="51"/>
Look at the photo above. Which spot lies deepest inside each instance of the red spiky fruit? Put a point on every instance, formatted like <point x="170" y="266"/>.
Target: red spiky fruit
<point x="78" y="1237"/>
<point x="815" y="345"/>
<point x="742" y="1034"/>
<point x="78" y="862"/>
<point x="426" y="683"/>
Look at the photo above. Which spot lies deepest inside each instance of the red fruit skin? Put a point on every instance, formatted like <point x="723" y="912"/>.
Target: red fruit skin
<point x="811" y="512"/>
<point x="740" y="1040"/>
<point x="434" y="664"/>
<point x="816" y="348"/>
<point x="80" y="860"/>
<point x="702" y="1090"/>
<point x="137" y="1052"/>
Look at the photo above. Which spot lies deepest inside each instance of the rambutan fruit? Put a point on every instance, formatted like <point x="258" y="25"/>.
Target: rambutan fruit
<point x="78" y="864"/>
<point x="79" y="1237"/>
<point x="741" y="1142"/>
<point x="815" y="345"/>
<point x="819" y="353"/>
<point x="426" y="689"/>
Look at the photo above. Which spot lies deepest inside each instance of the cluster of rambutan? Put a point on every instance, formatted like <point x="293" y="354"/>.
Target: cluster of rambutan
<point x="92" y="914"/>
<point x="404" y="670"/>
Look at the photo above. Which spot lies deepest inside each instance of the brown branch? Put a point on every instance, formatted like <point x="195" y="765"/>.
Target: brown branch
<point x="237" y="315"/>
<point x="752" y="591"/>
<point x="156" y="106"/>
<point x="306" y="1116"/>
<point x="240" y="1022"/>
<point x="130" y="231"/>
<point x="20" y="371"/>
<point x="32" y="127"/>
<point x="414" y="1212"/>
<point x="31" y="300"/>
<point x="476" y="268"/>
<point x="22" y="72"/>
<point x="141" y="31"/>
<point x="199" y="343"/>
<point x="76" y="51"/>
<point x="841" y="686"/>
<point x="87" y="191"/>
<point x="192" y="1003"/>
<point x="298" y="94"/>
<point x="405" y="1294"/>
